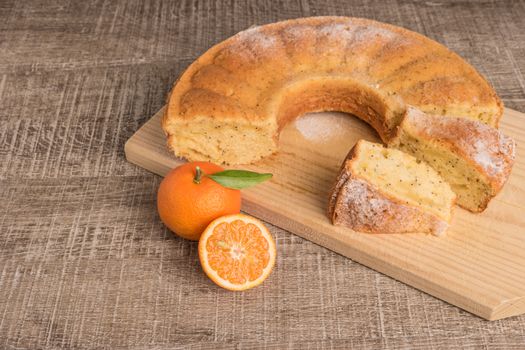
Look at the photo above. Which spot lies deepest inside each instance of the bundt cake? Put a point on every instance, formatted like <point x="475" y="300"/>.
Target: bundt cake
<point x="384" y="190"/>
<point x="231" y="103"/>
<point x="473" y="158"/>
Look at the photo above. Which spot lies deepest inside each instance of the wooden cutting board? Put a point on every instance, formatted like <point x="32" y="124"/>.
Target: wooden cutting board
<point x="479" y="266"/>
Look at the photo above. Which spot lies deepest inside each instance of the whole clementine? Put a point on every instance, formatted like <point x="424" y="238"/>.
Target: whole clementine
<point x="187" y="203"/>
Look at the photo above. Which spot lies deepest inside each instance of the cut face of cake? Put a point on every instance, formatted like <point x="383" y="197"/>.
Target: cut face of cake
<point x="473" y="158"/>
<point x="382" y="190"/>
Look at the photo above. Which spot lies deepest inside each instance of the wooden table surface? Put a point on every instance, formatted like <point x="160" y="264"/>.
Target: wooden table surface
<point x="84" y="259"/>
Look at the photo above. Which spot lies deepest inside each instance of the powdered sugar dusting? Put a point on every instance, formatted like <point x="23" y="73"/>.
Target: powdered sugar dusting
<point x="339" y="31"/>
<point x="257" y="38"/>
<point x="254" y="43"/>
<point x="321" y="127"/>
<point x="369" y="33"/>
<point x="507" y="145"/>
<point x="486" y="146"/>
<point x="351" y="34"/>
<point x="364" y="205"/>
<point x="363" y="208"/>
<point x="298" y="32"/>
<point x="488" y="158"/>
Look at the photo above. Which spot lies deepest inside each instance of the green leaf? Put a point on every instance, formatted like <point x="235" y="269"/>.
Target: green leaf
<point x="239" y="179"/>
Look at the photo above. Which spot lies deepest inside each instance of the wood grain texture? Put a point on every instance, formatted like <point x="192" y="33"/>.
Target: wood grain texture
<point x="84" y="260"/>
<point x="479" y="265"/>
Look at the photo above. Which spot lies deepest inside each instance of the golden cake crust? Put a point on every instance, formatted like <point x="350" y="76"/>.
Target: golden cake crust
<point x="485" y="149"/>
<point x="270" y="74"/>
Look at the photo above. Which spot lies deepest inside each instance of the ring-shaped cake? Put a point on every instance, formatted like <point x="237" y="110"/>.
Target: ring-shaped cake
<point x="230" y="105"/>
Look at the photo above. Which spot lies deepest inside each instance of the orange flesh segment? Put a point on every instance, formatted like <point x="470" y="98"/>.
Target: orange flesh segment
<point x="237" y="251"/>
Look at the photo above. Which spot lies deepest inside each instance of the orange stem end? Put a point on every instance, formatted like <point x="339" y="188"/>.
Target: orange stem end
<point x="198" y="175"/>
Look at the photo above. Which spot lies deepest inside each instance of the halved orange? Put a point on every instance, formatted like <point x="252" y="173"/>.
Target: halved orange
<point x="237" y="252"/>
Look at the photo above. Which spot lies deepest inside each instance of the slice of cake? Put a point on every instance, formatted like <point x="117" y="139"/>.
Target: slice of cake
<point x="474" y="158"/>
<point x="383" y="190"/>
